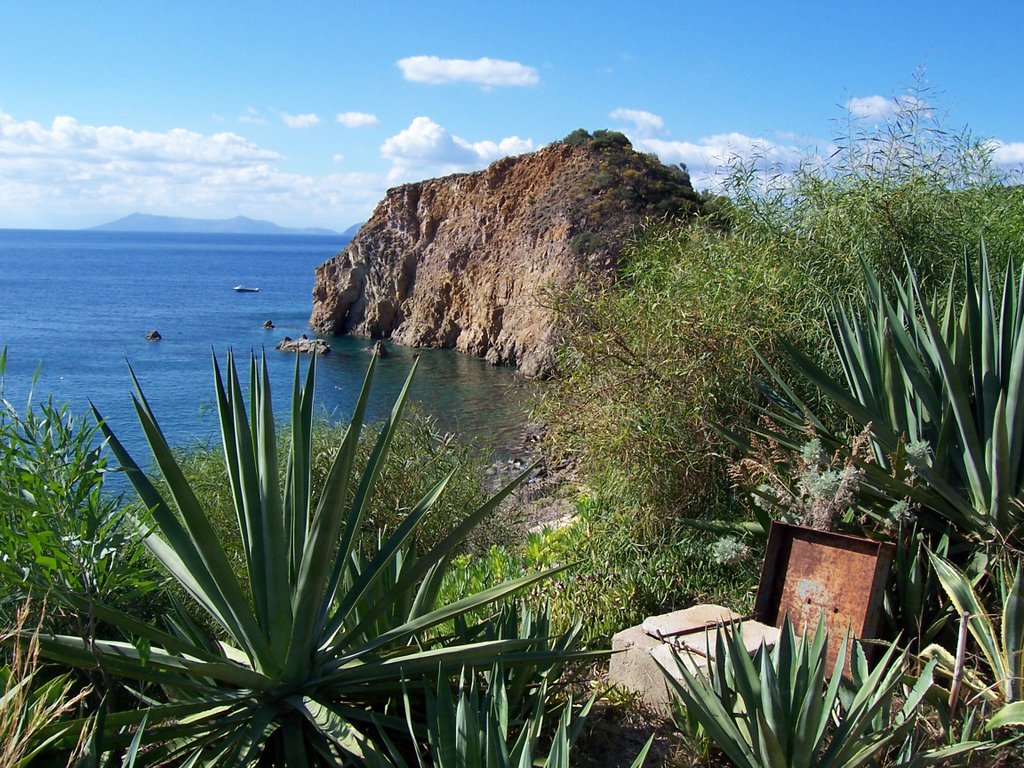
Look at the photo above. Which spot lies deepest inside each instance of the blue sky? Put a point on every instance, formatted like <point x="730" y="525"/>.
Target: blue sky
<point x="306" y="113"/>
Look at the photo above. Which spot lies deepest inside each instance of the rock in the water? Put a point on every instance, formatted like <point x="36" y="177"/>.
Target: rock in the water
<point x="304" y="345"/>
<point x="469" y="261"/>
<point x="379" y="349"/>
<point x="268" y="324"/>
<point x="153" y="336"/>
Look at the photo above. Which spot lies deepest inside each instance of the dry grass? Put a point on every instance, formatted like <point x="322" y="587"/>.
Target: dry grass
<point x="30" y="701"/>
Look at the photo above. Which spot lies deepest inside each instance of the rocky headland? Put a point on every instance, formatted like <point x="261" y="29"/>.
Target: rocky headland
<point x="471" y="261"/>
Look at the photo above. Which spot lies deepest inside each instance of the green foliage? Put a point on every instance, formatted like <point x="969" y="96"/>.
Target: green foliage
<point x="58" y="529"/>
<point x="308" y="669"/>
<point x="578" y="138"/>
<point x="908" y="187"/>
<point x="650" y="362"/>
<point x="622" y="571"/>
<point x="780" y="708"/>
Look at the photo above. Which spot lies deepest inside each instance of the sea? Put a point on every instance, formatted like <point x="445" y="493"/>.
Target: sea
<point x="76" y="306"/>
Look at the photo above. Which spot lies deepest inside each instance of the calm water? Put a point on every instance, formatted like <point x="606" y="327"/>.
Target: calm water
<point x="77" y="306"/>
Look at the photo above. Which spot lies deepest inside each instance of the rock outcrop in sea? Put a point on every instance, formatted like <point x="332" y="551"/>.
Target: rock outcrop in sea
<point x="470" y="261"/>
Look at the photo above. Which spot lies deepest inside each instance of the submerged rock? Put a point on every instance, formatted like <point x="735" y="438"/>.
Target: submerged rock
<point x="304" y="345"/>
<point x="379" y="349"/>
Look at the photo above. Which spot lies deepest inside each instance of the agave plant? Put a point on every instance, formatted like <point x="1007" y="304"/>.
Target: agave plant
<point x="474" y="727"/>
<point x="941" y="387"/>
<point x="1000" y="642"/>
<point x="313" y="658"/>
<point x="778" y="709"/>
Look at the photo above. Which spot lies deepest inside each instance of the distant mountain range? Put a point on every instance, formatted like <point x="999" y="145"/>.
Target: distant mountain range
<point x="239" y="225"/>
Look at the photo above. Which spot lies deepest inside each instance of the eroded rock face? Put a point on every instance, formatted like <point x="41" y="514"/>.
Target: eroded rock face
<point x="469" y="261"/>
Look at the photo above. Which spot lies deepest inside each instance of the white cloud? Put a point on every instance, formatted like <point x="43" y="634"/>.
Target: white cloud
<point x="425" y="147"/>
<point x="251" y="115"/>
<point x="357" y="119"/>
<point x="486" y="72"/>
<point x="300" y="121"/>
<point x="882" y="108"/>
<point x="644" y="123"/>
<point x="709" y="158"/>
<point x="870" y="107"/>
<point x="1007" y="154"/>
<point x="71" y="175"/>
<point x="337" y="157"/>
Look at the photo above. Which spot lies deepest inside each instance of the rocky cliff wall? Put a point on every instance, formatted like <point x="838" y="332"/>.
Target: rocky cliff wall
<point x="469" y="261"/>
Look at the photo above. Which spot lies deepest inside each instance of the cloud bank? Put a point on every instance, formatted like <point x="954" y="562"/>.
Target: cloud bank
<point x="644" y="123"/>
<point x="71" y="175"/>
<point x="487" y="72"/>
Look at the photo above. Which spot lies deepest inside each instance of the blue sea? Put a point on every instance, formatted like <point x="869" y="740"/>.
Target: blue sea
<point x="75" y="307"/>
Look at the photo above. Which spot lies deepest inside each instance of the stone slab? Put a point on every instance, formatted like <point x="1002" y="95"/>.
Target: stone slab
<point x="687" y="620"/>
<point x="705" y="642"/>
<point x="632" y="667"/>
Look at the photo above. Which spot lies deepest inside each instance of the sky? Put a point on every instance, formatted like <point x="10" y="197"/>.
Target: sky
<point x="305" y="113"/>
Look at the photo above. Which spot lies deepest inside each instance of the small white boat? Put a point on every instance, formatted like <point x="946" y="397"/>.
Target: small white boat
<point x="246" y="289"/>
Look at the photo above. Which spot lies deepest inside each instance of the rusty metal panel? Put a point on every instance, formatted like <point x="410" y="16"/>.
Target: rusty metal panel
<point x="809" y="573"/>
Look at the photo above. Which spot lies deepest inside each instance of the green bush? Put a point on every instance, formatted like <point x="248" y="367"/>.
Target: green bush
<point x="650" y="361"/>
<point x="59" y="529"/>
<point x="618" y="576"/>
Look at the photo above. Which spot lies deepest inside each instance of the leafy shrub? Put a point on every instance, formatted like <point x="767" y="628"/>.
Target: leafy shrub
<point x="619" y="574"/>
<point x="649" y="362"/>
<point x="59" y="528"/>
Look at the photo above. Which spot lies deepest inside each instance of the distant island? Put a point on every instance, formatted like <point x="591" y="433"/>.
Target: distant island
<point x="239" y="225"/>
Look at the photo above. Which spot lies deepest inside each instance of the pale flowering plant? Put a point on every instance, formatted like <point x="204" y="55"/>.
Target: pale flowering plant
<point x="818" y="481"/>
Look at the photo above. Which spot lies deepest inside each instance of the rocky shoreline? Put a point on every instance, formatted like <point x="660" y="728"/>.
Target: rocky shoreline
<point x="547" y="497"/>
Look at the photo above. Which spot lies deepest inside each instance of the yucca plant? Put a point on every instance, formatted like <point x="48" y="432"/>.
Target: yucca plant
<point x="779" y="708"/>
<point x="998" y="635"/>
<point x="941" y="384"/>
<point x="475" y="727"/>
<point x="313" y="659"/>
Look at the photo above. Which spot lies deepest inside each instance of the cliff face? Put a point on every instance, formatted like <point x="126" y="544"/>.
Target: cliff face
<point x="468" y="261"/>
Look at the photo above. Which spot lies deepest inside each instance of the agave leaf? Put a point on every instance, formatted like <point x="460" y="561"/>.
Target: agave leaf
<point x="317" y="580"/>
<point x="336" y="638"/>
<point x="958" y="587"/>
<point x="698" y="695"/>
<point x="1011" y="714"/>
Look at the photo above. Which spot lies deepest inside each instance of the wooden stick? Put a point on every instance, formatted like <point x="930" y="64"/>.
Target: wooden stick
<point x="958" y="666"/>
